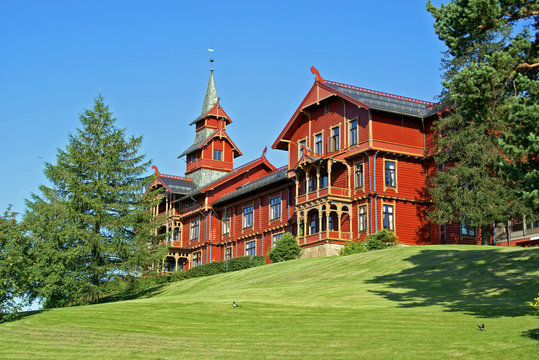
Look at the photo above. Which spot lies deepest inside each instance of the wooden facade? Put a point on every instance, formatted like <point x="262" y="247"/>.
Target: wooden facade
<point x="358" y="161"/>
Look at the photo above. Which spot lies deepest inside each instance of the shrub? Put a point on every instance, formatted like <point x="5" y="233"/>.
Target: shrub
<point x="380" y="240"/>
<point x="353" y="247"/>
<point x="286" y="248"/>
<point x="535" y="304"/>
<point x="234" y="264"/>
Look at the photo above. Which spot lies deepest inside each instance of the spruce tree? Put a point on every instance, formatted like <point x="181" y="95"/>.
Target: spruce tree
<point x="488" y="146"/>
<point x="286" y="248"/>
<point x="93" y="222"/>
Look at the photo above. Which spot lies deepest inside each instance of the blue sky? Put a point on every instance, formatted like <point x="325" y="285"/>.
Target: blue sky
<point x="150" y="61"/>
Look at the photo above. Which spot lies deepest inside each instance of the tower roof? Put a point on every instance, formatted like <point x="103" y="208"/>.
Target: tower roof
<point x="211" y="97"/>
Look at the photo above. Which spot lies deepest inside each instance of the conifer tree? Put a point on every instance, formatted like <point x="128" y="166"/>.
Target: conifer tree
<point x="488" y="146"/>
<point x="93" y="222"/>
<point x="286" y="248"/>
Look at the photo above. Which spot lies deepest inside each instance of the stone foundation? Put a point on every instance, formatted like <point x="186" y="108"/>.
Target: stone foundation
<point x="321" y="250"/>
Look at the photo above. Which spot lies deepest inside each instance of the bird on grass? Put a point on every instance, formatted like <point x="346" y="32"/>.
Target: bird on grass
<point x="481" y="327"/>
<point x="234" y="304"/>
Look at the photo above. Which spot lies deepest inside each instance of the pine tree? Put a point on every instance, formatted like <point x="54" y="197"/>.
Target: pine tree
<point x="15" y="272"/>
<point x="94" y="222"/>
<point x="488" y="148"/>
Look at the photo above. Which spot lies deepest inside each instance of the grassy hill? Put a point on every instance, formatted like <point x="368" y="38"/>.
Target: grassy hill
<point x="420" y="302"/>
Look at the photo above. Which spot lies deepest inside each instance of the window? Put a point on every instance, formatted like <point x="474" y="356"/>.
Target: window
<point x="192" y="157"/>
<point x="326" y="108"/>
<point x="388" y="217"/>
<point x="275" y="238"/>
<point x="312" y="184"/>
<point x="248" y="216"/>
<point x="197" y="258"/>
<point x="390" y="173"/>
<point x="250" y="248"/>
<point x="359" y="175"/>
<point x="318" y="144"/>
<point x="275" y="208"/>
<point x="323" y="180"/>
<point x="302" y="144"/>
<point x="175" y="233"/>
<point x="228" y="253"/>
<point x="335" y="139"/>
<point x="353" y="132"/>
<point x="532" y="224"/>
<point x="226" y="223"/>
<point x="195" y="226"/>
<point x="363" y="218"/>
<point x="218" y="155"/>
<point x="466" y="229"/>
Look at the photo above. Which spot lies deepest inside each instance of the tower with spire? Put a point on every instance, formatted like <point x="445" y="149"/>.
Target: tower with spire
<point x="212" y="153"/>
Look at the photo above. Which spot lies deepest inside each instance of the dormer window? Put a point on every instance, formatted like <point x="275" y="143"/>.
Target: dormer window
<point x="218" y="155"/>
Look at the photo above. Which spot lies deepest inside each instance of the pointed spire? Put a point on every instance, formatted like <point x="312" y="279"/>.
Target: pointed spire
<point x="211" y="93"/>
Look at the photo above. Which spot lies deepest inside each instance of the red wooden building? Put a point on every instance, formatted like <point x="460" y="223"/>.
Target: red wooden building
<point x="358" y="161"/>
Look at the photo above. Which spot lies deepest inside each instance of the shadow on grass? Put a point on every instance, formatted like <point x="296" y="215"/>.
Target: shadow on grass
<point x="20" y="315"/>
<point x="532" y="333"/>
<point x="484" y="283"/>
<point x="134" y="294"/>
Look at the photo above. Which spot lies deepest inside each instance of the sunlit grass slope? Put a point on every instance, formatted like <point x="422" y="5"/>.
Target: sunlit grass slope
<point x="402" y="303"/>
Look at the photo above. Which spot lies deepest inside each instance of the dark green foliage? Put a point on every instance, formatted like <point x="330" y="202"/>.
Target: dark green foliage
<point x="352" y="248"/>
<point x="380" y="240"/>
<point x="94" y="221"/>
<point x="218" y="267"/>
<point x="488" y="152"/>
<point x="286" y="248"/>
<point x="15" y="272"/>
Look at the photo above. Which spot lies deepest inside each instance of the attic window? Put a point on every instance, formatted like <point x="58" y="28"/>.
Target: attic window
<point x="218" y="155"/>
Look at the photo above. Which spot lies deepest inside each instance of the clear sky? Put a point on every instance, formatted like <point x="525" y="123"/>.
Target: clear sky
<point x="150" y="61"/>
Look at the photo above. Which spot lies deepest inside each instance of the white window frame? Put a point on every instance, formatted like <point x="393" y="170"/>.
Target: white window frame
<point x="220" y="157"/>
<point x="363" y="219"/>
<point x="275" y="208"/>
<point x="336" y="142"/>
<point x="390" y="181"/>
<point x="246" y="216"/>
<point x="194" y="229"/>
<point x="390" y="223"/>
<point x="225" y="223"/>
<point x="319" y="149"/>
<point x="197" y="259"/>
<point x="362" y="164"/>
<point x="249" y="248"/>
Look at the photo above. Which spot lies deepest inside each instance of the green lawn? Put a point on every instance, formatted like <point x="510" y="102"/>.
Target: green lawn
<point x="421" y="302"/>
